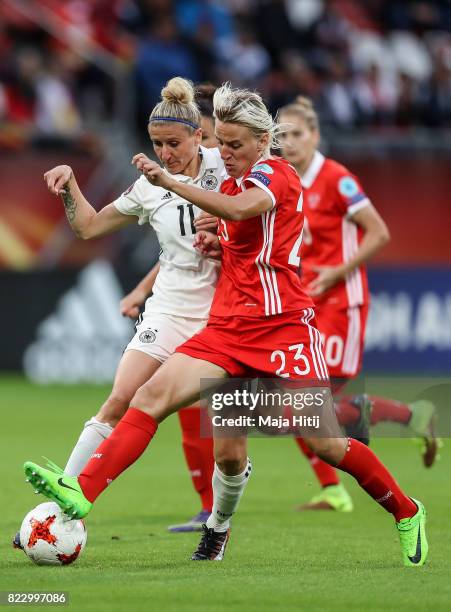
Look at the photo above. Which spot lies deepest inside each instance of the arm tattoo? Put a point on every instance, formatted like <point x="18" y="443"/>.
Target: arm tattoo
<point x="69" y="203"/>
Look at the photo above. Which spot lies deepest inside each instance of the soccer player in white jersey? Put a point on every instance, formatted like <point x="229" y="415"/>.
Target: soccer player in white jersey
<point x="184" y="287"/>
<point x="197" y="448"/>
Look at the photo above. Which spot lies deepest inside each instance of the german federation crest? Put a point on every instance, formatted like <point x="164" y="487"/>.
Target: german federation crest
<point x="147" y="336"/>
<point x="209" y="182"/>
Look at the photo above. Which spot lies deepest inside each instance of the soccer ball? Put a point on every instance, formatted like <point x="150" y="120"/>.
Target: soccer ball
<point x="49" y="537"/>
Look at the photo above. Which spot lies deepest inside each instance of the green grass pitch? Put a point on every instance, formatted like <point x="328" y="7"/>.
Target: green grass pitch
<point x="277" y="559"/>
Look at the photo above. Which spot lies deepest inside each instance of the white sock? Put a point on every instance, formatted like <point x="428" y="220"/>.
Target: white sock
<point x="227" y="492"/>
<point x="93" y="434"/>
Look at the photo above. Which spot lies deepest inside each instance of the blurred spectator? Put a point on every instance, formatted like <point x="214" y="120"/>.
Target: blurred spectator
<point x="435" y="94"/>
<point x="161" y="55"/>
<point x="339" y="107"/>
<point x="375" y="96"/>
<point x="56" y="114"/>
<point x="192" y="14"/>
<point x="273" y="28"/>
<point x="245" y="60"/>
<point x="407" y="105"/>
<point x="374" y="63"/>
<point x="295" y="78"/>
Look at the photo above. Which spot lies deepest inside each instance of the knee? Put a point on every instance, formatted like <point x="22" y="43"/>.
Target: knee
<point x="330" y="450"/>
<point x="152" y="398"/>
<point x="231" y="462"/>
<point x="115" y="407"/>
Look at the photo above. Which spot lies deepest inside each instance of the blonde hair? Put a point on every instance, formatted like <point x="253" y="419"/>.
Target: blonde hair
<point x="303" y="107"/>
<point x="245" y="108"/>
<point x="177" y="104"/>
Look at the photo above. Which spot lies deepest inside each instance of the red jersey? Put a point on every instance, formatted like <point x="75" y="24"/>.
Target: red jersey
<point x="331" y="196"/>
<point x="260" y="260"/>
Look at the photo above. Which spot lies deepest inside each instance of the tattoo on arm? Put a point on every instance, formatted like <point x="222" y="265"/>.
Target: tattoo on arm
<point x="70" y="204"/>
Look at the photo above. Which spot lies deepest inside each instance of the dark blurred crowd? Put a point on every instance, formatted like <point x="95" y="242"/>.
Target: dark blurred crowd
<point x="64" y="66"/>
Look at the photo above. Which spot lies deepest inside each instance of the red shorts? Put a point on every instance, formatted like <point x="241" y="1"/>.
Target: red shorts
<point x="343" y="333"/>
<point x="286" y="346"/>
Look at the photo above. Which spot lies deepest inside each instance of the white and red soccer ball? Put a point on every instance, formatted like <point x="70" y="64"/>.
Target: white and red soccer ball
<point x="49" y="537"/>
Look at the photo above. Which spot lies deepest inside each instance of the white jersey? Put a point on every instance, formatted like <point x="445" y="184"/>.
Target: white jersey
<point x="186" y="282"/>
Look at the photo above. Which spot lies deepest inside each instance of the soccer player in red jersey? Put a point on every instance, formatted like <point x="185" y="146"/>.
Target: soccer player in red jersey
<point x="342" y="231"/>
<point x="261" y="322"/>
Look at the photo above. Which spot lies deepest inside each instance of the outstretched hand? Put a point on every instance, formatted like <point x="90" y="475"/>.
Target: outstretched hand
<point x="153" y="172"/>
<point x="131" y="303"/>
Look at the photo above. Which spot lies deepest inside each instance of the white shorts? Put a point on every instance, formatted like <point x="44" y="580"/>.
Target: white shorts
<point x="158" y="335"/>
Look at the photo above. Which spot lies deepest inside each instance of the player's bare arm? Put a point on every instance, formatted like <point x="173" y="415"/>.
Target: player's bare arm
<point x="206" y="222"/>
<point x="234" y="208"/>
<point x="376" y="235"/>
<point x="85" y="221"/>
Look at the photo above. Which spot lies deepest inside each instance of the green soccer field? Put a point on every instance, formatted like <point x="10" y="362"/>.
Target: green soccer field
<point x="277" y="559"/>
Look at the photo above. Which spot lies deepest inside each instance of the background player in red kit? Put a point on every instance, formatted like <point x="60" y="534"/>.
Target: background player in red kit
<point x="260" y="321"/>
<point x="342" y="231"/>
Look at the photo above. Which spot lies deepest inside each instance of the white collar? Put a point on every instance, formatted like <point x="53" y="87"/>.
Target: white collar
<point x="209" y="158"/>
<point x="208" y="161"/>
<point x="309" y="176"/>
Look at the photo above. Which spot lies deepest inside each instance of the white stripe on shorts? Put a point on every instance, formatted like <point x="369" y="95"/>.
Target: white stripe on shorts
<point x="315" y="345"/>
<point x="352" y="347"/>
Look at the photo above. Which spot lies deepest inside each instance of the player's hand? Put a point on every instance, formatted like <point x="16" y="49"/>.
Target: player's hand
<point x="328" y="276"/>
<point x="207" y="244"/>
<point x="153" y="172"/>
<point x="206" y="222"/>
<point x="131" y="303"/>
<point x="56" y="178"/>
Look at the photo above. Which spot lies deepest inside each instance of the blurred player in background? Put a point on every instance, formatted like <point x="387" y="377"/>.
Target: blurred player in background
<point x="261" y="323"/>
<point x="198" y="450"/>
<point x="342" y="231"/>
<point x="184" y="287"/>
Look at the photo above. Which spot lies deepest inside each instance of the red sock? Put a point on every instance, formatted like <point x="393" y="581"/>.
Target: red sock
<point x="326" y="474"/>
<point x="385" y="409"/>
<point x="376" y="480"/>
<point x="123" y="447"/>
<point x="198" y="454"/>
<point x="347" y="413"/>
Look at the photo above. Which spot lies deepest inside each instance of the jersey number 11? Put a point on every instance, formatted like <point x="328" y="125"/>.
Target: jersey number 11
<point x="181" y="209"/>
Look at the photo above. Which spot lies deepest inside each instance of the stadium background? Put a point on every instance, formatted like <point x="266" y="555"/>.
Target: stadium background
<point x="77" y="80"/>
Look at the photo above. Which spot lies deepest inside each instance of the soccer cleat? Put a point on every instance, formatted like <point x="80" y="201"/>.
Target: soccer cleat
<point x="212" y="545"/>
<point x="361" y="429"/>
<point x="422" y="423"/>
<point x="412" y="535"/>
<point x="194" y="524"/>
<point x="16" y="541"/>
<point x="333" y="497"/>
<point x="60" y="488"/>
